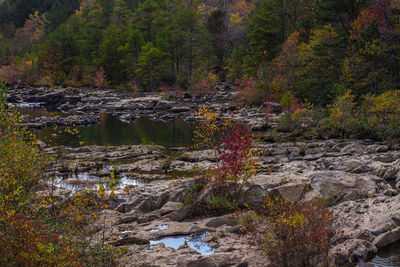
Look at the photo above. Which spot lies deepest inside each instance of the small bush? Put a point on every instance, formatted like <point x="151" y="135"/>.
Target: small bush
<point x="384" y="114"/>
<point x="250" y="92"/>
<point x="293" y="234"/>
<point x="238" y="159"/>
<point x="374" y="116"/>
<point x="297" y="118"/>
<point x="220" y="204"/>
<point x="204" y="83"/>
<point x="210" y="131"/>
<point x="37" y="227"/>
<point x="26" y="239"/>
<point x="9" y="74"/>
<point x="342" y="114"/>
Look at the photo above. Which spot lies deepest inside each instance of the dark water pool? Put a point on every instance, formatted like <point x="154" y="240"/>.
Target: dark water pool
<point x="388" y="257"/>
<point x="111" y="131"/>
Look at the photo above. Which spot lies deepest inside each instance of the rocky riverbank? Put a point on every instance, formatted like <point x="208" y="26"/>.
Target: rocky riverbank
<point x="87" y="104"/>
<point x="153" y="220"/>
<point x="360" y="179"/>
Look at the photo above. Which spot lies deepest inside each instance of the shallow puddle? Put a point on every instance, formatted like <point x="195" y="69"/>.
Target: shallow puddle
<point x="85" y="181"/>
<point x="159" y="227"/>
<point x="76" y="182"/>
<point x="193" y="241"/>
<point x="125" y="181"/>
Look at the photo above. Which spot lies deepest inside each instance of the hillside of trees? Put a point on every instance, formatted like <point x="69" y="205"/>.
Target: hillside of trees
<point x="317" y="49"/>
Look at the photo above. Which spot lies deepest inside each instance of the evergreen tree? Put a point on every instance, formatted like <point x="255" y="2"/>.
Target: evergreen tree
<point x="151" y="67"/>
<point x="337" y="12"/>
<point x="216" y="27"/>
<point x="319" y="66"/>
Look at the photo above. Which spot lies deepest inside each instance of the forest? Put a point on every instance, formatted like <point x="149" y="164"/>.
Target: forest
<point x="317" y="49"/>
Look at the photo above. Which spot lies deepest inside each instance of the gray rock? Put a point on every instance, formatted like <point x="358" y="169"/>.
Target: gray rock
<point x="220" y="221"/>
<point x="338" y="185"/>
<point x="390" y="192"/>
<point x="163" y="105"/>
<point x="352" y="251"/>
<point x="181" y="214"/>
<point x="390" y="174"/>
<point x="387" y="238"/>
<point x="291" y="192"/>
<point x="130" y="240"/>
<point x="396" y="218"/>
<point x="170" y="207"/>
<point x="204" y="262"/>
<point x="180" y="109"/>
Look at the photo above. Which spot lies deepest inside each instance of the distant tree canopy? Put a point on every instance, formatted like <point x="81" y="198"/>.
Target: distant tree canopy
<point x="316" y="49"/>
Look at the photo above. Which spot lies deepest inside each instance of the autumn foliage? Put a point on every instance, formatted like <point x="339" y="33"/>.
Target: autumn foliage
<point x="238" y="158"/>
<point x="26" y="238"/>
<point x="37" y="226"/>
<point x="292" y="234"/>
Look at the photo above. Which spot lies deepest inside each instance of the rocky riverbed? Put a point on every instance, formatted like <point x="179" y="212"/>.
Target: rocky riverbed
<point x="87" y="104"/>
<point x="154" y="222"/>
<point x="359" y="178"/>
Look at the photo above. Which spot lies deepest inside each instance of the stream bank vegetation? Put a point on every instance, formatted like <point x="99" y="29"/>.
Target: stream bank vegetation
<point x="236" y="161"/>
<point x="39" y="225"/>
<point x="372" y="116"/>
<point x="290" y="232"/>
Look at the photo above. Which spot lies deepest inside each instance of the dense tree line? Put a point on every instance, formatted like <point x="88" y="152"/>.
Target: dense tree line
<point x="317" y="49"/>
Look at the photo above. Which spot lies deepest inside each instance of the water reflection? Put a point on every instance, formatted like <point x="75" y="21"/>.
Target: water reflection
<point x="193" y="241"/>
<point x="111" y="131"/>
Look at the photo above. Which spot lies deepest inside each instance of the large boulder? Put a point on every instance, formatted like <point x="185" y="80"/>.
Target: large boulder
<point x="352" y="251"/>
<point x="387" y="238"/>
<point x="54" y="98"/>
<point x="163" y="105"/>
<point x="336" y="186"/>
<point x="375" y="220"/>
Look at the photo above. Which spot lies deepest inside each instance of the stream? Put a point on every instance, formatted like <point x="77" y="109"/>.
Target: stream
<point x="113" y="132"/>
<point x="175" y="133"/>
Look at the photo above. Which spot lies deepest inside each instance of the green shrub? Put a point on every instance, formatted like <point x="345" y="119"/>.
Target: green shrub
<point x="383" y="113"/>
<point x="218" y="204"/>
<point x="374" y="116"/>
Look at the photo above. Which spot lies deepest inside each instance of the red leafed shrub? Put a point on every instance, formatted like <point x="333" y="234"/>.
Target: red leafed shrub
<point x="236" y="148"/>
<point x="173" y="90"/>
<point x="237" y="159"/>
<point x="249" y="92"/>
<point x="205" y="83"/>
<point x="204" y="87"/>
<point x="293" y="234"/>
